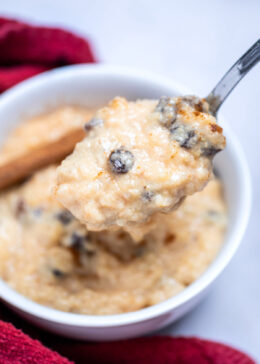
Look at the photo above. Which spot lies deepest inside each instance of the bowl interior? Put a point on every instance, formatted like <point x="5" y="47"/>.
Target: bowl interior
<point x="94" y="86"/>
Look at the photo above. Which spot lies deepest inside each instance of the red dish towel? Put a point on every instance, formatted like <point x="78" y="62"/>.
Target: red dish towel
<point x="16" y="347"/>
<point x="25" y="51"/>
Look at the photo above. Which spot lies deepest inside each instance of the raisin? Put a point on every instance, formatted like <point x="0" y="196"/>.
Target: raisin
<point x="65" y="217"/>
<point x="92" y="123"/>
<point x="166" y="106"/>
<point x="185" y="136"/>
<point x="81" y="244"/>
<point x="147" y="195"/>
<point x="58" y="273"/>
<point x="77" y="241"/>
<point x="210" y="151"/>
<point x="121" y="161"/>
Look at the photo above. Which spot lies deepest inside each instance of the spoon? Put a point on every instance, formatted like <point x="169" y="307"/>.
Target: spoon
<point x="233" y="76"/>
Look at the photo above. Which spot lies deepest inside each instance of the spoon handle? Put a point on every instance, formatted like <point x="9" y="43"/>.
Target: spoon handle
<point x="232" y="77"/>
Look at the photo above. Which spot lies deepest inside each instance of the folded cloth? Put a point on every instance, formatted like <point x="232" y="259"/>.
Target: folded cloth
<point x="16" y="347"/>
<point x="27" y="50"/>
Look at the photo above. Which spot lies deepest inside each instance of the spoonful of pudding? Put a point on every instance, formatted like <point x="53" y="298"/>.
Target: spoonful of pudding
<point x="142" y="158"/>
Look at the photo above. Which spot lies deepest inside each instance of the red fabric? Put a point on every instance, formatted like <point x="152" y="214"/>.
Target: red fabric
<point x="16" y="347"/>
<point x="27" y="50"/>
<point x="156" y="350"/>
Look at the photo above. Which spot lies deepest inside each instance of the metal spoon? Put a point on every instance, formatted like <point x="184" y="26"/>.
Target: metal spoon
<point x="232" y="77"/>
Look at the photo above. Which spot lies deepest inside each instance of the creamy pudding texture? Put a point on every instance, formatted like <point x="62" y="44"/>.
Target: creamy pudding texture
<point x="50" y="257"/>
<point x="139" y="159"/>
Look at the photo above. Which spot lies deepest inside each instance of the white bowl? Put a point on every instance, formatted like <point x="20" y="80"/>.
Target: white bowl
<point x="94" y="85"/>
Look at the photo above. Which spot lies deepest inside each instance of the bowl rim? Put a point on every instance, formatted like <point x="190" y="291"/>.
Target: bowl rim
<point x="26" y="305"/>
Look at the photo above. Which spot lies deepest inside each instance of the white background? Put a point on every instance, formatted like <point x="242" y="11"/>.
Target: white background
<point x="192" y="42"/>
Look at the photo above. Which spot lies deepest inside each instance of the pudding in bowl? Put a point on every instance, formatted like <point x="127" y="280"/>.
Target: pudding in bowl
<point x="107" y="271"/>
<point x="50" y="91"/>
<point x="50" y="257"/>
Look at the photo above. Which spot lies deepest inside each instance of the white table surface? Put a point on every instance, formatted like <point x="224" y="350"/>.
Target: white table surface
<point x="192" y="42"/>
